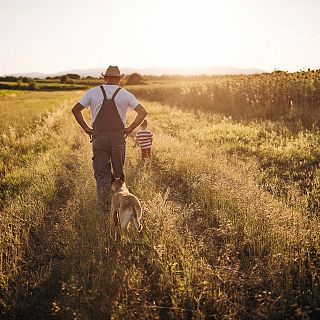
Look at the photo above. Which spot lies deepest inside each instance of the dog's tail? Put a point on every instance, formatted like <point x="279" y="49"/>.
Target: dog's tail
<point x="137" y="212"/>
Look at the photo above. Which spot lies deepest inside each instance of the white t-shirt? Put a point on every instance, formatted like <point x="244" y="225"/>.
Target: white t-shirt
<point x="93" y="98"/>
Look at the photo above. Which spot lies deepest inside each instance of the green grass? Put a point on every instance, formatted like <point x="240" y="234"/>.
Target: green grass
<point x="27" y="109"/>
<point x="41" y="86"/>
<point x="30" y="130"/>
<point x="11" y="93"/>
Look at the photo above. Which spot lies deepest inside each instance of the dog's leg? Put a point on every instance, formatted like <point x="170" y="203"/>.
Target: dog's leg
<point x="114" y="215"/>
<point x="125" y="217"/>
<point x="137" y="224"/>
<point x="112" y="210"/>
<point x="113" y="223"/>
<point x="136" y="219"/>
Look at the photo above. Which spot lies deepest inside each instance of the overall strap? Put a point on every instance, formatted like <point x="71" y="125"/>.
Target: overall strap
<point x="115" y="93"/>
<point x="104" y="93"/>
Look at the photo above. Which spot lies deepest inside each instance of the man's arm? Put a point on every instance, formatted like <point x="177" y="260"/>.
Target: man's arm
<point x="77" y="112"/>
<point x="141" y="114"/>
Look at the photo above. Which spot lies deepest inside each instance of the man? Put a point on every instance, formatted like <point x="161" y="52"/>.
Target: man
<point x="109" y="104"/>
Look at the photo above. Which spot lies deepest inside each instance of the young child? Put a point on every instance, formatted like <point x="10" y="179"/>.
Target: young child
<point x="144" y="140"/>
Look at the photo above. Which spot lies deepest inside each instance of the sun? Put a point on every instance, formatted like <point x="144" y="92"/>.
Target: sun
<point x="187" y="35"/>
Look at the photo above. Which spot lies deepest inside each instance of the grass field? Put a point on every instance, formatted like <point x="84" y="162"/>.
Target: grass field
<point x="231" y="224"/>
<point x="5" y="93"/>
<point x="40" y="85"/>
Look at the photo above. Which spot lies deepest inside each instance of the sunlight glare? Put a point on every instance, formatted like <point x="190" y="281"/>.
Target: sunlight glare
<point x="196" y="36"/>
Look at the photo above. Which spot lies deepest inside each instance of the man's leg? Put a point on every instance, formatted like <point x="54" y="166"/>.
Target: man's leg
<point x="102" y="171"/>
<point x="118" y="153"/>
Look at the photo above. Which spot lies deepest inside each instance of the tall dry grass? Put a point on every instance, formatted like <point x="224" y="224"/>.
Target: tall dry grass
<point x="288" y="162"/>
<point x="214" y="245"/>
<point x="57" y="259"/>
<point x="277" y="248"/>
<point x="291" y="97"/>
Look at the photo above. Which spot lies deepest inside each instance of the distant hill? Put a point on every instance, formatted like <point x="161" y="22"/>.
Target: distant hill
<point x="28" y="74"/>
<point x="194" y="71"/>
<point x="96" y="72"/>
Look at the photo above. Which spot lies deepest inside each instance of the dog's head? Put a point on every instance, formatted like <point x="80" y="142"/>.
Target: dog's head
<point x="117" y="185"/>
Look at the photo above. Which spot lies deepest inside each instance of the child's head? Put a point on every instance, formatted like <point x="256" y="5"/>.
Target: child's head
<point x="144" y="124"/>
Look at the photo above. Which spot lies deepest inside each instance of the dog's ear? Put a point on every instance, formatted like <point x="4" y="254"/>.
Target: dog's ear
<point x="123" y="184"/>
<point x="117" y="184"/>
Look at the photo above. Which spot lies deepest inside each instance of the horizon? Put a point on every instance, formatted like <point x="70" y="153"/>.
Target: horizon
<point x="278" y="35"/>
<point x="164" y="71"/>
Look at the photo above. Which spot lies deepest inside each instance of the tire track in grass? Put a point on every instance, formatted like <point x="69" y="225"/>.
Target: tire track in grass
<point x="155" y="277"/>
<point x="117" y="280"/>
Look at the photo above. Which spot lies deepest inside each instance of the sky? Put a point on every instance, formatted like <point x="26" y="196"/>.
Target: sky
<point x="54" y="35"/>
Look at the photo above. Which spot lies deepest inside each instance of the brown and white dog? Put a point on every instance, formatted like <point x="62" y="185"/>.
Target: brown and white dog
<point x="126" y="205"/>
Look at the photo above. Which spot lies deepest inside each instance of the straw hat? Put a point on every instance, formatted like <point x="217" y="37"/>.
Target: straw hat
<point x="113" y="71"/>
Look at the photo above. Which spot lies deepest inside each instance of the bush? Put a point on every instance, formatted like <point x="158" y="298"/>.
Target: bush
<point x="64" y="79"/>
<point x="34" y="86"/>
<point x="73" y="76"/>
<point x="69" y="78"/>
<point x="9" y="79"/>
<point x="134" y="78"/>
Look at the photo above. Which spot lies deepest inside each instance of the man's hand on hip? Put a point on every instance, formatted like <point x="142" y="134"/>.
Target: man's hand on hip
<point x="141" y="114"/>
<point x="88" y="131"/>
<point x="127" y="131"/>
<point x="76" y="110"/>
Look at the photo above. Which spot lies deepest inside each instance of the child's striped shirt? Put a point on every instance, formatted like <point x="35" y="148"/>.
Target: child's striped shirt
<point x="144" y="139"/>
